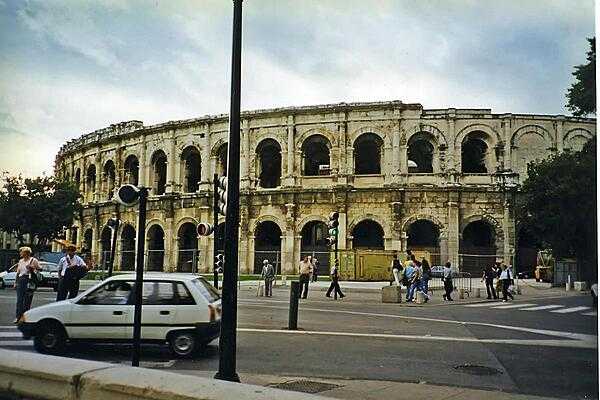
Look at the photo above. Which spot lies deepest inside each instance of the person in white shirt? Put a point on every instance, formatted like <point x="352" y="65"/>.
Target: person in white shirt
<point x="26" y="268"/>
<point x="505" y="278"/>
<point x="70" y="269"/>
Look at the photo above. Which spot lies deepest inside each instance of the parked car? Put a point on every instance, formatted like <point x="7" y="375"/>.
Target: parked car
<point x="181" y="310"/>
<point x="437" y="271"/>
<point x="595" y="294"/>
<point x="48" y="276"/>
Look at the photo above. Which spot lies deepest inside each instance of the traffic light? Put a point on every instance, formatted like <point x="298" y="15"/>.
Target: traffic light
<point x="220" y="262"/>
<point x="127" y="195"/>
<point x="222" y="195"/>
<point x="204" y="229"/>
<point x="333" y="225"/>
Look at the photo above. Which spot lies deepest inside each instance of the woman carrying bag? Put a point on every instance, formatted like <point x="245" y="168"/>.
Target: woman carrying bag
<point x="26" y="281"/>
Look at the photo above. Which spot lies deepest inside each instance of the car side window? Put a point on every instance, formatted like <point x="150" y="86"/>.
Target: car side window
<point x="165" y="293"/>
<point x="183" y="295"/>
<point x="112" y="293"/>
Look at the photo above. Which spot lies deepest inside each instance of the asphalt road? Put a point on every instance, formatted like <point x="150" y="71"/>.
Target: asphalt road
<point x="541" y="346"/>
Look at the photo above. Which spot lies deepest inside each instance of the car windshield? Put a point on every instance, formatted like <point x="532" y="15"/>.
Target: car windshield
<point x="50" y="267"/>
<point x="207" y="290"/>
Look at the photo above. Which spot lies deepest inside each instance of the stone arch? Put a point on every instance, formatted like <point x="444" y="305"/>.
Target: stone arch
<point x="493" y="135"/>
<point x="310" y="218"/>
<point x="385" y="139"/>
<point x="185" y="220"/>
<point x="156" y="246"/>
<point x="369" y="154"/>
<point x="190" y="168"/>
<point x="187" y="247"/>
<point x="532" y="128"/>
<point x="267" y="244"/>
<point x="159" y="165"/>
<point x="128" y="237"/>
<point x="131" y="169"/>
<point x="267" y="218"/>
<point x="329" y="135"/>
<point x="316" y="151"/>
<point x="499" y="232"/>
<point x="221" y="152"/>
<point x="154" y="221"/>
<point x="376" y="218"/>
<point x="188" y="142"/>
<point x="427" y="217"/>
<point x="368" y="234"/>
<point x="272" y="136"/>
<point x="268" y="163"/>
<point x="581" y="133"/>
<point x="214" y="150"/>
<point x="433" y="131"/>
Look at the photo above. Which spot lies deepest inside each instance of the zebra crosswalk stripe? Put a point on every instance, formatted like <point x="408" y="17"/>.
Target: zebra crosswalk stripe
<point x="570" y="310"/>
<point x="486" y="304"/>
<point x="519" y="305"/>
<point x="10" y="334"/>
<point x="591" y="313"/>
<point x="539" y="308"/>
<point x="16" y="343"/>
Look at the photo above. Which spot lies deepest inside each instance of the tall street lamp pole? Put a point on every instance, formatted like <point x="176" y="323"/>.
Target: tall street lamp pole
<point x="227" y="342"/>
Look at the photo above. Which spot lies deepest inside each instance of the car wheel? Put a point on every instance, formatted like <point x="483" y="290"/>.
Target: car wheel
<point x="50" y="338"/>
<point x="183" y="344"/>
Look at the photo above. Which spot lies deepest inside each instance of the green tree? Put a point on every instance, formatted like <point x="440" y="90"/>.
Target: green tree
<point x="558" y="205"/>
<point x="39" y="207"/>
<point x="581" y="96"/>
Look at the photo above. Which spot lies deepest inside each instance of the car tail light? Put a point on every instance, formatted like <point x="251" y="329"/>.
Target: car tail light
<point x="212" y="313"/>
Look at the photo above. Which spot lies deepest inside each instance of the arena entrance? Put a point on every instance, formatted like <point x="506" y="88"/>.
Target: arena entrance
<point x="313" y="243"/>
<point x="187" y="242"/>
<point x="477" y="247"/>
<point x="128" y="248"/>
<point x="267" y="245"/>
<point x="424" y="241"/>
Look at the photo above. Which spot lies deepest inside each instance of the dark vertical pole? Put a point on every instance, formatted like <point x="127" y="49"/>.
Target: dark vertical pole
<point x="227" y="342"/>
<point x="113" y="247"/>
<point x="215" y="229"/>
<point x="336" y="261"/>
<point x="293" y="315"/>
<point x="139" y="275"/>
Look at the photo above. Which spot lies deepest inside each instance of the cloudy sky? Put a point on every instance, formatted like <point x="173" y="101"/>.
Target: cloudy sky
<point x="69" y="67"/>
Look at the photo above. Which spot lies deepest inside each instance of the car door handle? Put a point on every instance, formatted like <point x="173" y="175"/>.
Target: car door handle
<point x="117" y="312"/>
<point x="165" y="312"/>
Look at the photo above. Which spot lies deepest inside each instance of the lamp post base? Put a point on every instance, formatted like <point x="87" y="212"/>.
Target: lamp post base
<point x="231" y="378"/>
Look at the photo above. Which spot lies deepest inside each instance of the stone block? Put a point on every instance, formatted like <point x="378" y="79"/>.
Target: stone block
<point x="391" y="294"/>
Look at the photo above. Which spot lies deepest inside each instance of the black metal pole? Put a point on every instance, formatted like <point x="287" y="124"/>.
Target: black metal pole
<point x="336" y="261"/>
<point x="293" y="315"/>
<point x="215" y="229"/>
<point x="139" y="275"/>
<point x="227" y="342"/>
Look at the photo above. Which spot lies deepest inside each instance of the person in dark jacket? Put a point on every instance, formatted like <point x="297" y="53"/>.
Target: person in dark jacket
<point x="71" y="268"/>
<point x="489" y="274"/>
<point x="335" y="286"/>
<point x="448" y="284"/>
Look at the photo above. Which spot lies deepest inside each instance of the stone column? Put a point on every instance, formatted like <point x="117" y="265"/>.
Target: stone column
<point x="560" y="120"/>
<point x="396" y="149"/>
<point x="507" y="160"/>
<point x="245" y="156"/>
<point x="289" y="178"/>
<point x="250" y="256"/>
<point x="171" y="166"/>
<point x="143" y="167"/>
<point x="453" y="163"/>
<point x="453" y="241"/>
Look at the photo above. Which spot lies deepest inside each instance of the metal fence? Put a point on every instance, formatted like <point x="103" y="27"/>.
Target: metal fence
<point x="274" y="258"/>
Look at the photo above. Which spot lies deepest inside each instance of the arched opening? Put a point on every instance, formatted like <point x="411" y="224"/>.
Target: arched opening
<point x="105" y="246"/>
<point x="222" y="160"/>
<point x="78" y="178"/>
<point x="527" y="249"/>
<point x="368" y="234"/>
<point x="474" y="154"/>
<point x="187" y="241"/>
<point x="159" y="170"/>
<point x="268" y="154"/>
<point x="424" y="238"/>
<point x="132" y="170"/>
<point x="128" y="248"/>
<point x="267" y="246"/>
<point x="313" y="243"/>
<point x="109" y="177"/>
<point x="88" y="237"/>
<point x="315" y="156"/>
<point x="367" y="154"/>
<point x="156" y="248"/>
<point x="420" y="151"/>
<point x="477" y="247"/>
<point x="191" y="164"/>
<point x="90" y="181"/>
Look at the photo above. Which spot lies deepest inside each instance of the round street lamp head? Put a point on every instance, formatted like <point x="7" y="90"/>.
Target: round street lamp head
<point x="127" y="195"/>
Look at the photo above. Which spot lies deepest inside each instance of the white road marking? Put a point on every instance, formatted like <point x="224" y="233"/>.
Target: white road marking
<point x="548" y="307"/>
<point x="592" y="313"/>
<point x="570" y="310"/>
<point x="14" y="343"/>
<point x="521" y="342"/>
<point x="10" y="334"/>
<point x="590" y="339"/>
<point x="518" y="305"/>
<point x="486" y="304"/>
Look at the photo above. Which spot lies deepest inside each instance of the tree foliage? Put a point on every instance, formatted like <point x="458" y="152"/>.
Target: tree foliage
<point x="40" y="207"/>
<point x="581" y="96"/>
<point x="558" y="205"/>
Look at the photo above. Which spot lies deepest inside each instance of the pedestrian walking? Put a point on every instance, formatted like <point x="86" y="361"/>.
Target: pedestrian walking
<point x="26" y="281"/>
<point x="448" y="284"/>
<point x="305" y="269"/>
<point x="315" y="264"/>
<point x="426" y="268"/>
<point x="498" y="282"/>
<point x="71" y="268"/>
<point x="415" y="281"/>
<point x="505" y="278"/>
<point x="488" y="277"/>
<point x="407" y="280"/>
<point x="335" y="285"/>
<point x="396" y="268"/>
<point x="268" y="274"/>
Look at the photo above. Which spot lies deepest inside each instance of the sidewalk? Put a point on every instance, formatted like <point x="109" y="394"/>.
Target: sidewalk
<point x="370" y="389"/>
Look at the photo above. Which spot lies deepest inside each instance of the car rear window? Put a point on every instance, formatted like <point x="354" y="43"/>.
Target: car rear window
<point x="206" y="289"/>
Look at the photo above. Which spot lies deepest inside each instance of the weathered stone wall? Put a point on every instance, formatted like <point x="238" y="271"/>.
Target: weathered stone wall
<point x="394" y="198"/>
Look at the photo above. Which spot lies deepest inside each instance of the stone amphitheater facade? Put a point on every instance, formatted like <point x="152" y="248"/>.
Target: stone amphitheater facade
<point x="401" y="176"/>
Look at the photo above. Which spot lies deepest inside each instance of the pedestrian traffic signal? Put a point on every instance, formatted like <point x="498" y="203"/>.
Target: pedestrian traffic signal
<point x="222" y="195"/>
<point x="127" y="195"/>
<point x="220" y="262"/>
<point x="333" y="220"/>
<point x="204" y="229"/>
<point x="330" y="240"/>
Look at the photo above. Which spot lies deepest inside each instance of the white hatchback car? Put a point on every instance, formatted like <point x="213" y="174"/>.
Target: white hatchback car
<point x="183" y="310"/>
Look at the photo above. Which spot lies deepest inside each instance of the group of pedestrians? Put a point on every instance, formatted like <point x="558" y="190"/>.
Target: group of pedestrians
<point x="498" y="278"/>
<point x="71" y="268"/>
<point x="415" y="275"/>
